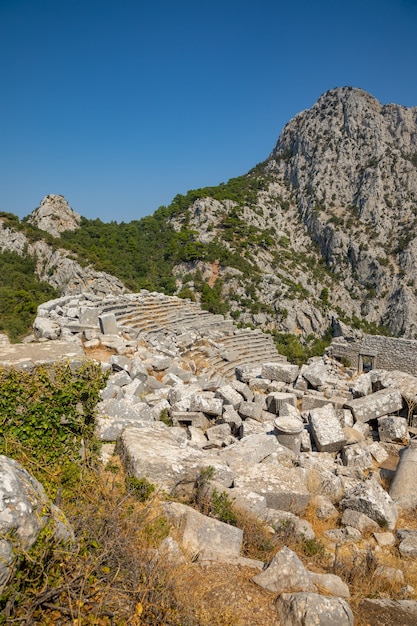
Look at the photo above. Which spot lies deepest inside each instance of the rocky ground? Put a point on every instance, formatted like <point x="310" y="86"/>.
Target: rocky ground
<point x="319" y="450"/>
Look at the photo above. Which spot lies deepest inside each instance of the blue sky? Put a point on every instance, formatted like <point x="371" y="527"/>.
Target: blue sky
<point x="120" y="105"/>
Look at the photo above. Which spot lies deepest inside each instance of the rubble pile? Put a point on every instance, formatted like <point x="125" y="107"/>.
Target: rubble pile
<point x="276" y="438"/>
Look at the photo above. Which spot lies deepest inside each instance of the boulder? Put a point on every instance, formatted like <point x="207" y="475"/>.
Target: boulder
<point x="25" y="510"/>
<point x="369" y="497"/>
<point x="285" y="573"/>
<point x="408" y="542"/>
<point x="202" y="537"/>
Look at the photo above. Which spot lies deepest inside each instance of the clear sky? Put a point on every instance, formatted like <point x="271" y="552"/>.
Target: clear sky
<point x="121" y="104"/>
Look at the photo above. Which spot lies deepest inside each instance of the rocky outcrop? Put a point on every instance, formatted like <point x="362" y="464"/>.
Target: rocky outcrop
<point x="55" y="216"/>
<point x="25" y="511"/>
<point x="57" y="267"/>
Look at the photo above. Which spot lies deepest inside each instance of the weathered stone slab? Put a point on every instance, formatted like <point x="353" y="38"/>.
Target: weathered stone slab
<point x="190" y="418"/>
<point x="326" y="430"/>
<point x="310" y="401"/>
<point x="369" y="498"/>
<point x="284" y="488"/>
<point x="285" y="372"/>
<point x="204" y="538"/>
<point x="220" y="435"/>
<point x="155" y="455"/>
<point x="116" y="415"/>
<point x="250" y="450"/>
<point x="243" y="389"/>
<point x="232" y="417"/>
<point x="375" y="405"/>
<point x="311" y="609"/>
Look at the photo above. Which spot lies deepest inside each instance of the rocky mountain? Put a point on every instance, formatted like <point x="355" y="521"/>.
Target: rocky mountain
<point x="336" y="206"/>
<point x="324" y="228"/>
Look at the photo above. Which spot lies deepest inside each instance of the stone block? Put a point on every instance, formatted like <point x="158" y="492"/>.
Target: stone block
<point x="243" y="389"/>
<point x="375" y="405"/>
<point x="276" y="400"/>
<point x="403" y="487"/>
<point x="393" y="428"/>
<point x="326" y="430"/>
<point x="220" y="435"/>
<point x="206" y="404"/>
<point x="196" y="419"/>
<point x="249" y="450"/>
<point x="284" y="488"/>
<point x="229" y="396"/>
<point x="315" y="373"/>
<point x="89" y="316"/>
<point x="313" y="402"/>
<point x="154" y="454"/>
<point x="284" y="372"/>
<point x="253" y="410"/>
<point x="357" y="455"/>
<point x="108" y="324"/>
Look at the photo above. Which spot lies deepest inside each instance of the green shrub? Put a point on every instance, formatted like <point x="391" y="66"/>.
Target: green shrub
<point x="140" y="487"/>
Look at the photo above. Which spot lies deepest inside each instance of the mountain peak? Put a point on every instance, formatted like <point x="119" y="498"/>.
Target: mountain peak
<point x="54" y="216"/>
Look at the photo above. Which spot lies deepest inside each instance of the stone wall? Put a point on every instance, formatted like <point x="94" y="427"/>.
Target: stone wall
<point x="375" y="351"/>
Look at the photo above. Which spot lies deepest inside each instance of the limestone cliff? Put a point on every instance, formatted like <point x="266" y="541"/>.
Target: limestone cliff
<point x="338" y="199"/>
<point x="54" y="216"/>
<point x="56" y="267"/>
